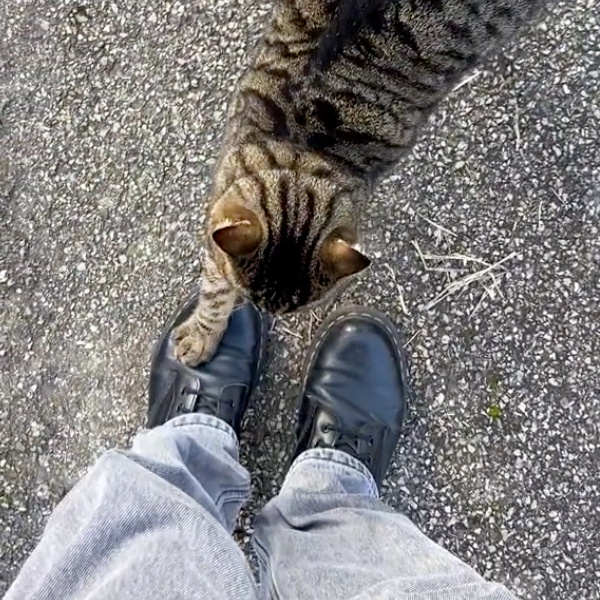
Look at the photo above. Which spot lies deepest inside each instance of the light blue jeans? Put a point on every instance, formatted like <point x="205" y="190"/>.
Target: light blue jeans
<point x="155" y="523"/>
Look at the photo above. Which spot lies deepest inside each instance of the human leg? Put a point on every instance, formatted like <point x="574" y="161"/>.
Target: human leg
<point x="327" y="534"/>
<point x="155" y="521"/>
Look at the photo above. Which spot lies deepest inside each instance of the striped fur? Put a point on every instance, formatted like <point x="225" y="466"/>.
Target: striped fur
<point x="335" y="96"/>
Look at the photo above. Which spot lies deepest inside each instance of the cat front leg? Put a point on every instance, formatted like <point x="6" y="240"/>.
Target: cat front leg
<point x="197" y="338"/>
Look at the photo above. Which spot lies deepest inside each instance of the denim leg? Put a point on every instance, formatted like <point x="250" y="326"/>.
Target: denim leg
<point x="150" y="523"/>
<point x="327" y="535"/>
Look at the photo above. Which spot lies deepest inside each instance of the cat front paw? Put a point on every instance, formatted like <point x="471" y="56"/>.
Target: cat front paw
<point x="193" y="345"/>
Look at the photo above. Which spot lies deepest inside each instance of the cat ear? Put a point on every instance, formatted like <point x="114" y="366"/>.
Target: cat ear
<point x="341" y="259"/>
<point x="240" y="234"/>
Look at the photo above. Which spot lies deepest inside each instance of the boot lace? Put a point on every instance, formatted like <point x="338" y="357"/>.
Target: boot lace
<point x="350" y="441"/>
<point x="203" y="402"/>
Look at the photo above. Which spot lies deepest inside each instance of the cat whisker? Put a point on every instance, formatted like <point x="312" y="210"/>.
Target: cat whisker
<point x="466" y="80"/>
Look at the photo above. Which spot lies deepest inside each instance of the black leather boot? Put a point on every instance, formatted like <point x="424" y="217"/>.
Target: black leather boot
<point x="220" y="387"/>
<point x="355" y="388"/>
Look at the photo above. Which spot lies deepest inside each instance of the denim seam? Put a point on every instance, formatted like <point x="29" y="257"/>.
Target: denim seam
<point x="230" y="496"/>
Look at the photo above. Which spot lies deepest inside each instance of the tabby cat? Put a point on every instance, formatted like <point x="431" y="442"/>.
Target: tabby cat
<point x="335" y="96"/>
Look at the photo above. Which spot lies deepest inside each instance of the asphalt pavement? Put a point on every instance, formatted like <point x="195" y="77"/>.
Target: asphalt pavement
<point x="486" y="247"/>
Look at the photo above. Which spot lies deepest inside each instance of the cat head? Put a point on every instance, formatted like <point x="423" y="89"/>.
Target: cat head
<point x="287" y="238"/>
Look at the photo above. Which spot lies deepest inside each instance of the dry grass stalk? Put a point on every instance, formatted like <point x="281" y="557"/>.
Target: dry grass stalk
<point x="400" y="293"/>
<point x="483" y="276"/>
<point x="290" y="332"/>
<point x="487" y="276"/>
<point x="437" y="226"/>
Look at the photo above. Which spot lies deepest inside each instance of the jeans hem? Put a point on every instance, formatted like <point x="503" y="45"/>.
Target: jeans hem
<point x="343" y="459"/>
<point x="202" y="420"/>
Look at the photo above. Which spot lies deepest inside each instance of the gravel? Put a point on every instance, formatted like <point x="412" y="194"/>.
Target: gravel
<point x="110" y="118"/>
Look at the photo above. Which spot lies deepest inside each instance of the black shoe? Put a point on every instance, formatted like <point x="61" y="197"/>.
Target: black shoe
<point x="355" y="388"/>
<point x="220" y="387"/>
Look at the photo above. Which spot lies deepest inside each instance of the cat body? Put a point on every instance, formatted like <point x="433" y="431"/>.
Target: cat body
<point x="336" y="94"/>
